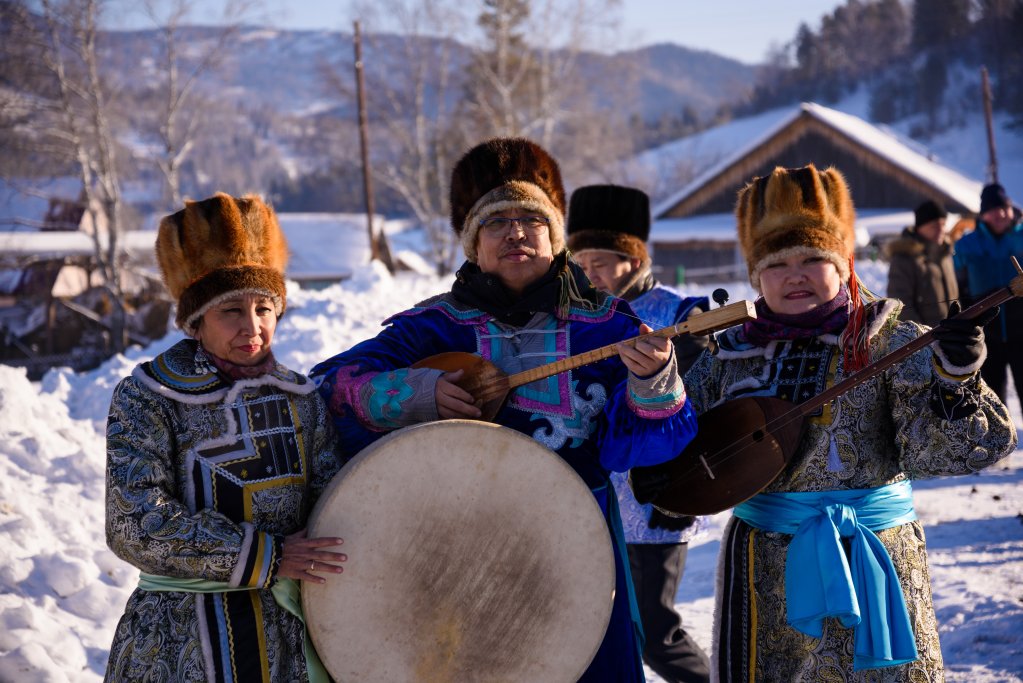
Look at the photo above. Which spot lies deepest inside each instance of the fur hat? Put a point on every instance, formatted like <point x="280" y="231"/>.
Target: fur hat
<point x="609" y="218"/>
<point x="219" y="247"/>
<point x="502" y="174"/>
<point x="993" y="196"/>
<point x="928" y="211"/>
<point x="796" y="211"/>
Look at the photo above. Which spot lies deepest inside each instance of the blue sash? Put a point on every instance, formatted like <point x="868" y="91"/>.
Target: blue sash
<point x="863" y="593"/>
<point x="286" y="593"/>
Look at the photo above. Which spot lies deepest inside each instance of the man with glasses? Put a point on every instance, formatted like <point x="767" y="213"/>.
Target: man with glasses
<point x="519" y="302"/>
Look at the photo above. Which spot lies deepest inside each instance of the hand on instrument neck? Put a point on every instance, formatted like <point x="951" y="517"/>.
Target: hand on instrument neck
<point x="647" y="356"/>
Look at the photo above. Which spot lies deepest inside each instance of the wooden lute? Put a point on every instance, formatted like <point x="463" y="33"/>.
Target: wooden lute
<point x="490" y="386"/>
<point x="741" y="446"/>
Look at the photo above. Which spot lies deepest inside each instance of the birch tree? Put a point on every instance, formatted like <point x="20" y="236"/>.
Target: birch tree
<point x="83" y="118"/>
<point x="175" y="120"/>
<point x="413" y="106"/>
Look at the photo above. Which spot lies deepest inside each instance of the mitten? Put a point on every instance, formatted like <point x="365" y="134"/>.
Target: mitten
<point x="961" y="341"/>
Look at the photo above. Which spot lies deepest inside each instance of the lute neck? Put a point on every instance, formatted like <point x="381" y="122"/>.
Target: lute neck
<point x="996" y="298"/>
<point x="700" y="323"/>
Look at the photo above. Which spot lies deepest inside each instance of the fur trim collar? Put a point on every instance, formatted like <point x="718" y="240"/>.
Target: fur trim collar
<point x="175" y="374"/>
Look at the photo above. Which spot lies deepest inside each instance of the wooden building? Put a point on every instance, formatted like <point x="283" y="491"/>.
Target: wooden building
<point x="694" y="229"/>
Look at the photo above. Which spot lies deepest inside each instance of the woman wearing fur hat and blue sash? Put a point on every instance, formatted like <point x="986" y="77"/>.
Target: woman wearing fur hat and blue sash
<point x="215" y="456"/>
<point x="521" y="303"/>
<point x="823" y="575"/>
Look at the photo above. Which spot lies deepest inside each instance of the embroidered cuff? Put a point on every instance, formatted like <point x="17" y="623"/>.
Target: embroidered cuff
<point x="399" y="398"/>
<point x="658" y="396"/>
<point x="950" y="371"/>
<point x="260" y="556"/>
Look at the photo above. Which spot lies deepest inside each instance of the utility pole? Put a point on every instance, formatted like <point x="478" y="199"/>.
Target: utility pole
<point x="992" y="167"/>
<point x="378" y="248"/>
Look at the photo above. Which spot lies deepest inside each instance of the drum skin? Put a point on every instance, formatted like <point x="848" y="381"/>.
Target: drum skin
<point x="475" y="554"/>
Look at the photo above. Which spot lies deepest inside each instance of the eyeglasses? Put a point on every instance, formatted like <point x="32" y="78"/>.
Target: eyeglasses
<point x="501" y="226"/>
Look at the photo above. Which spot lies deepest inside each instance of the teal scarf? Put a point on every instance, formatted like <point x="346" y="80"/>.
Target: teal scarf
<point x="285" y="591"/>
<point x="863" y="592"/>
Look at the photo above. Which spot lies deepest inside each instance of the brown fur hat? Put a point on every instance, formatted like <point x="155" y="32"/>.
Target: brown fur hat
<point x="796" y="211"/>
<point x="501" y="174"/>
<point x="609" y="218"/>
<point x="218" y="247"/>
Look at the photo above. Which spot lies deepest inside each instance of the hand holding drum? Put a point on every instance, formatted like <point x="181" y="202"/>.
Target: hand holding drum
<point x="303" y="556"/>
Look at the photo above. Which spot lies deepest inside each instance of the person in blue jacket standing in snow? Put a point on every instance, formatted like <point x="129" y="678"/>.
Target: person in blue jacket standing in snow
<point x="520" y="302"/>
<point x="608" y="226"/>
<point x="983" y="265"/>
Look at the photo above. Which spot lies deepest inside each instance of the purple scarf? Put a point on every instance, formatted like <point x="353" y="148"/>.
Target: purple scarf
<point x="829" y="318"/>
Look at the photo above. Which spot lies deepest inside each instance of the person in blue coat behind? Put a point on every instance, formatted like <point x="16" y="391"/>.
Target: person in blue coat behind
<point x="519" y="302"/>
<point x="983" y="265"/>
<point x="608" y="226"/>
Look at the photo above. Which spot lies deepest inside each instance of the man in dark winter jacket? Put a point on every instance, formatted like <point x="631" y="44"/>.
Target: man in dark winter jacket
<point x="608" y="227"/>
<point x="982" y="265"/>
<point x="922" y="275"/>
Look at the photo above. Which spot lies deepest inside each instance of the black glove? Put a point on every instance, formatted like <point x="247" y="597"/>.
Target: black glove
<point x="962" y="340"/>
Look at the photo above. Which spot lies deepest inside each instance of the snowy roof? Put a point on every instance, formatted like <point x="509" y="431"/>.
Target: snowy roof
<point x="323" y="246"/>
<point x="56" y="243"/>
<point x="725" y="145"/>
<point x="720" y="227"/>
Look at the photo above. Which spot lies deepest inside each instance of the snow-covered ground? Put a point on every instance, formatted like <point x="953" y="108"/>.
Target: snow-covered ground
<point x="62" y="590"/>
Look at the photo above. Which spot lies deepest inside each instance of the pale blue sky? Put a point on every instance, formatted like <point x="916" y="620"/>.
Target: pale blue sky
<point x="741" y="29"/>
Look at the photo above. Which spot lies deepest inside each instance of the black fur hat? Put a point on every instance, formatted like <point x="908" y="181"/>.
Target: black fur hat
<point x="609" y="218"/>
<point x="501" y="174"/>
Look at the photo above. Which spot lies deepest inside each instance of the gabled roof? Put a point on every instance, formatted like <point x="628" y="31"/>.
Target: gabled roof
<point x="754" y="141"/>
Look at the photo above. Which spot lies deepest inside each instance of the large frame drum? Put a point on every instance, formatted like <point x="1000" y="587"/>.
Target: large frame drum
<point x="475" y="554"/>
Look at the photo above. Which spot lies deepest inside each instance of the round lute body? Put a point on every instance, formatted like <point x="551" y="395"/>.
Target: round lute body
<point x="732" y="458"/>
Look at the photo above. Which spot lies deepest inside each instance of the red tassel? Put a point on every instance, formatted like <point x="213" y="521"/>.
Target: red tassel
<point x="856" y="353"/>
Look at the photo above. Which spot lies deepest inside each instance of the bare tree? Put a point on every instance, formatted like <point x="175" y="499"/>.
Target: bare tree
<point x="525" y="80"/>
<point x="72" y="55"/>
<point x="415" y="105"/>
<point x="176" y="122"/>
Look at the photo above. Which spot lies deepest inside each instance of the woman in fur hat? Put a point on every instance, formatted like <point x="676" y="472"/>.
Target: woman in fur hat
<point x="215" y="455"/>
<point x="823" y="575"/>
<point x="519" y="301"/>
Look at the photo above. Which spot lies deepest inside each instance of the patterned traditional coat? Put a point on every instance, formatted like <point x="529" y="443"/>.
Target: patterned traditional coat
<point x="912" y="421"/>
<point x="205" y="478"/>
<point x="598" y="418"/>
